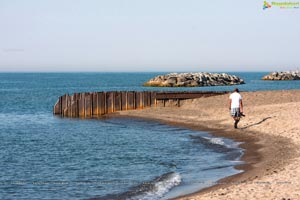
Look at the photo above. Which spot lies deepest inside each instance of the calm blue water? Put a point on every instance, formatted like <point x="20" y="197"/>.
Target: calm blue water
<point x="45" y="157"/>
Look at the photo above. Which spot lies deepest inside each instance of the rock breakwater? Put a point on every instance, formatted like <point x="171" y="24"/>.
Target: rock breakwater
<point x="287" y="75"/>
<point x="199" y="79"/>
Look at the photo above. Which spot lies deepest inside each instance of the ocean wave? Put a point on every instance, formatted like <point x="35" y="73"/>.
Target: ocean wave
<point x="159" y="187"/>
<point x="216" y="143"/>
<point x="152" y="190"/>
<point x="219" y="141"/>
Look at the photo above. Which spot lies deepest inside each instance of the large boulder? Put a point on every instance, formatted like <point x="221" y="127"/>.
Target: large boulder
<point x="198" y="79"/>
<point x="278" y="76"/>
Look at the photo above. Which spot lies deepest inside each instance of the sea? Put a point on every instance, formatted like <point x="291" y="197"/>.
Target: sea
<point x="46" y="157"/>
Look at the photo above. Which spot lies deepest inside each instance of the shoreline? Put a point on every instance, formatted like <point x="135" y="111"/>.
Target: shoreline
<point x="259" y="146"/>
<point x="257" y="151"/>
<point x="253" y="155"/>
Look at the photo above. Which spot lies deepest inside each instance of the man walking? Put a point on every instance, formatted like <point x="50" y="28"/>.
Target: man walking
<point x="236" y="106"/>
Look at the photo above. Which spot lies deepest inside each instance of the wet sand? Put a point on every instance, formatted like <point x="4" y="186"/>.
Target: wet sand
<point x="270" y="132"/>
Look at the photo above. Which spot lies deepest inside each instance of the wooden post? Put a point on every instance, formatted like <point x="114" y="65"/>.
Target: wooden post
<point x="147" y="99"/>
<point x="109" y="102"/>
<point x="120" y="100"/>
<point x="57" y="107"/>
<point x="75" y="105"/>
<point x="95" y="104"/>
<point x="113" y="102"/>
<point x="178" y="102"/>
<point x="69" y="106"/>
<point x="100" y="104"/>
<point x="63" y="104"/>
<point x="117" y="101"/>
<point x="81" y="105"/>
<point x="142" y="99"/>
<point x="66" y="104"/>
<point x="72" y="106"/>
<point x="153" y="99"/>
<point x="88" y="105"/>
<point x="124" y="100"/>
<point x="105" y="102"/>
<point x="138" y="100"/>
<point x="130" y="100"/>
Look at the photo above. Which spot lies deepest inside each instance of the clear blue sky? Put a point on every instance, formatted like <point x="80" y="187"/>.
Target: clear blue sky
<point x="147" y="35"/>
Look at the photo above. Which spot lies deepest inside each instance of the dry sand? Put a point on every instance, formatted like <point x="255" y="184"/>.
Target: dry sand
<point x="271" y="131"/>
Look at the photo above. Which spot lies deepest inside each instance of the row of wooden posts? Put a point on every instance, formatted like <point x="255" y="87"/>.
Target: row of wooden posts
<point x="100" y="103"/>
<point x="93" y="104"/>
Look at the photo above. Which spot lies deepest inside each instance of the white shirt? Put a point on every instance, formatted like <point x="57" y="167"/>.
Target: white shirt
<point x="235" y="100"/>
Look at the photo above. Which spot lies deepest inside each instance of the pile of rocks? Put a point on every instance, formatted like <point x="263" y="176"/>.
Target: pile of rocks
<point x="287" y="75"/>
<point x="194" y="80"/>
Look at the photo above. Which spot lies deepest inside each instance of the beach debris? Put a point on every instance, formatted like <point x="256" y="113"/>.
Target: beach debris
<point x="198" y="79"/>
<point x="286" y="75"/>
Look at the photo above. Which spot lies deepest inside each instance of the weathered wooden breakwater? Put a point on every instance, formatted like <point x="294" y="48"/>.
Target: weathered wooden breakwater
<point x="94" y="104"/>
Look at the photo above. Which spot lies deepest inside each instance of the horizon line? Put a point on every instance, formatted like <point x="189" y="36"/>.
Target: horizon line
<point x="140" y="71"/>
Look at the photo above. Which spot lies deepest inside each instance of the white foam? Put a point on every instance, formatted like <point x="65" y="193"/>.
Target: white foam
<point x="219" y="141"/>
<point x="160" y="188"/>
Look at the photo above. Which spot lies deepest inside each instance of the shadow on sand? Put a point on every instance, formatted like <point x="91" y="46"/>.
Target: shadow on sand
<point x="256" y="123"/>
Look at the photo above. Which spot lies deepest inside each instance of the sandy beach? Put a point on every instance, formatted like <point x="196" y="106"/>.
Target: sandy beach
<point x="270" y="132"/>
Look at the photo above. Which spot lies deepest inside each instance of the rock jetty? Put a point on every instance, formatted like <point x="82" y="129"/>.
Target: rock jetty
<point x="199" y="79"/>
<point x="287" y="75"/>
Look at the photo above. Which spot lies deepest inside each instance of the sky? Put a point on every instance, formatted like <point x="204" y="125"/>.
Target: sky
<point x="147" y="35"/>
